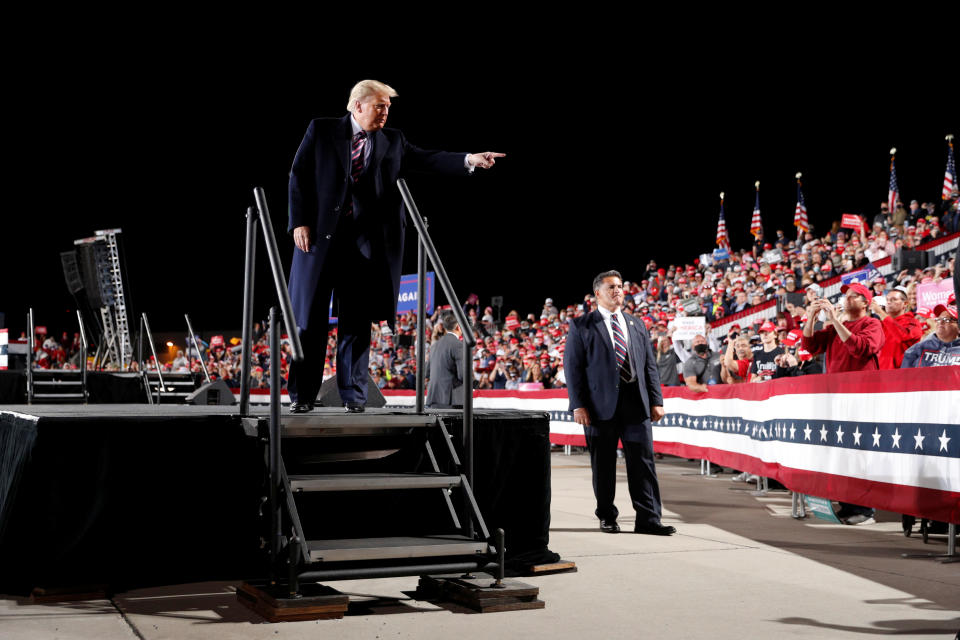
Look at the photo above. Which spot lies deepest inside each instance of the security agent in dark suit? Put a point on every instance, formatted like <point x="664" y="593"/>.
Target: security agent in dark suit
<point x="446" y="367"/>
<point x="614" y="391"/>
<point x="347" y="221"/>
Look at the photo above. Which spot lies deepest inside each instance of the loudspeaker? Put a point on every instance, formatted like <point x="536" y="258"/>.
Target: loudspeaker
<point x="212" y="393"/>
<point x="71" y="272"/>
<point x="330" y="395"/>
<point x="906" y="259"/>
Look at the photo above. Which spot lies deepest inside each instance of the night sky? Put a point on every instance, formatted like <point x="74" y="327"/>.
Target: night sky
<point x="608" y="165"/>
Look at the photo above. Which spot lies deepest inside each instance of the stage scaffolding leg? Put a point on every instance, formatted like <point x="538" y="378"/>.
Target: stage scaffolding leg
<point x="763" y="486"/>
<point x="945" y="558"/>
<point x="798" y="506"/>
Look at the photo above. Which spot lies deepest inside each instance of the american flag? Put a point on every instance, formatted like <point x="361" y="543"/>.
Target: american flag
<point x="950" y="177"/>
<point x="800" y="216"/>
<point x="894" y="193"/>
<point x="756" y="226"/>
<point x="722" y="238"/>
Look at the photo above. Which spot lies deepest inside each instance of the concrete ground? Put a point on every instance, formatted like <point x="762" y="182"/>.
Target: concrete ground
<point x="739" y="567"/>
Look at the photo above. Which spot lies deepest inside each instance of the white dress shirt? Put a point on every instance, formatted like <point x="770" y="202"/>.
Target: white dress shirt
<point x="605" y="314"/>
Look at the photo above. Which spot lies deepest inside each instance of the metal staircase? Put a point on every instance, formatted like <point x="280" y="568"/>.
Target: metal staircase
<point x="173" y="388"/>
<point x="462" y="545"/>
<point x="346" y="447"/>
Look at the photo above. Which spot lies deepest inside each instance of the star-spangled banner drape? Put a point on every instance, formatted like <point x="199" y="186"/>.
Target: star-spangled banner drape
<point x="886" y="439"/>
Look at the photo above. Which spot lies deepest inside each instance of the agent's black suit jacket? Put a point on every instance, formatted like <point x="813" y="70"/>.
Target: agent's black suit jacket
<point x="319" y="190"/>
<point x="590" y="367"/>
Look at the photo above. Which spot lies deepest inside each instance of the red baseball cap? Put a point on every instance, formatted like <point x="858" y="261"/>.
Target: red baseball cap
<point x="856" y="287"/>
<point x="792" y="338"/>
<point x="768" y="326"/>
<point x="940" y="308"/>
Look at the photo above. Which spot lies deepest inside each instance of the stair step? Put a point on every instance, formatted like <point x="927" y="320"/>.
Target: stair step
<point x="48" y="383"/>
<point x="372" y="481"/>
<point x="337" y="423"/>
<point x="57" y="396"/>
<point x="393" y="548"/>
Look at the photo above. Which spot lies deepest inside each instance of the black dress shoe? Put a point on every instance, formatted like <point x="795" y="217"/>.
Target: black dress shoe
<point x="353" y="407"/>
<point x="609" y="526"/>
<point x="301" y="407"/>
<point x="655" y="529"/>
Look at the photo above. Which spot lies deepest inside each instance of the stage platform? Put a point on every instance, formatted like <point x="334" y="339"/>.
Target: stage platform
<point x="738" y="568"/>
<point x="129" y="495"/>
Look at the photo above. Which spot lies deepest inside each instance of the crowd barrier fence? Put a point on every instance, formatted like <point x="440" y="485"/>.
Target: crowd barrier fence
<point x="886" y="439"/>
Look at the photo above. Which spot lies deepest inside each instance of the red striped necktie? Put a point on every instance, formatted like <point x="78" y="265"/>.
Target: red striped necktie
<point x="356" y="163"/>
<point x="620" y="348"/>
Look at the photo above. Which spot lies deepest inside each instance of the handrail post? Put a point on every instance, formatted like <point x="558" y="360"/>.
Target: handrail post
<point x="421" y="322"/>
<point x="275" y="512"/>
<point x="83" y="357"/>
<point x="196" y="346"/>
<point x="30" y="348"/>
<point x="143" y="369"/>
<point x="468" y="412"/>
<point x="156" y="360"/>
<point x="283" y="293"/>
<point x="247" y="336"/>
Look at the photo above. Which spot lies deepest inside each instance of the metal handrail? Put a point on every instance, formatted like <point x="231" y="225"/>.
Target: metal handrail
<point x="83" y="357"/>
<point x="283" y="294"/>
<point x="250" y="262"/>
<point x="156" y="360"/>
<point x="196" y="346"/>
<point x="468" y="341"/>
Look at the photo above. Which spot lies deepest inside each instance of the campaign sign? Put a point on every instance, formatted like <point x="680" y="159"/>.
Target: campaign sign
<point x="822" y="508"/>
<point x="772" y="256"/>
<point x="721" y="254"/>
<point x="851" y="221"/>
<point x="868" y="274"/>
<point x="407" y="296"/>
<point x="689" y="326"/>
<point x="930" y="294"/>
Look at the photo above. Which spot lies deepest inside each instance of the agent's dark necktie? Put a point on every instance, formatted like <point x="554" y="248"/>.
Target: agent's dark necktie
<point x="620" y="348"/>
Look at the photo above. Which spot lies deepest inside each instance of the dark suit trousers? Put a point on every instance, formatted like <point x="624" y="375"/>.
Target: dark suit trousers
<point x="638" y="453"/>
<point x="348" y="273"/>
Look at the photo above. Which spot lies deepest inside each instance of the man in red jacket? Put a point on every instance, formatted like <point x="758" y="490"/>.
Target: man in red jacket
<point x="852" y="345"/>
<point x="900" y="328"/>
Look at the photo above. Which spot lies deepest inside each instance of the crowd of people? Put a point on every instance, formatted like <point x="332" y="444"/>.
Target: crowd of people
<point x="526" y="351"/>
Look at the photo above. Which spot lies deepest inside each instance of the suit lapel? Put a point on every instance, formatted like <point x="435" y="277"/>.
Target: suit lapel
<point x="637" y="345"/>
<point x="600" y="327"/>
<point x="341" y="143"/>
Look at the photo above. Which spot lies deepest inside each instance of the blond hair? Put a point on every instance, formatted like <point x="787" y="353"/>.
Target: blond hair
<point x="366" y="88"/>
